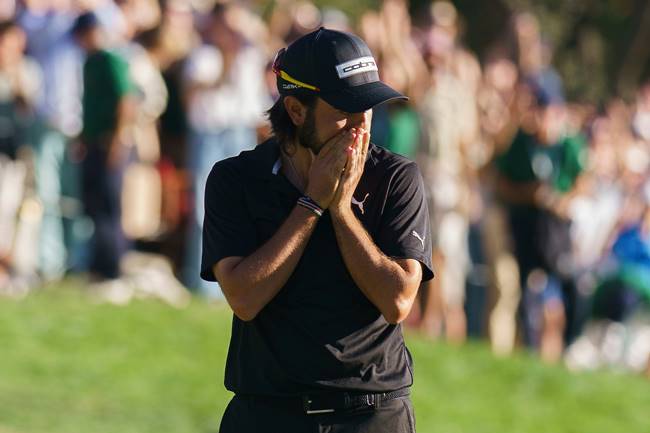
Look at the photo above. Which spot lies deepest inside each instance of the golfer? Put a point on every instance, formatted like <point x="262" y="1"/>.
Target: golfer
<point x="319" y="241"/>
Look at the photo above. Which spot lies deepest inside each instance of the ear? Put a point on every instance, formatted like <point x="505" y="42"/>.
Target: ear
<point x="297" y="110"/>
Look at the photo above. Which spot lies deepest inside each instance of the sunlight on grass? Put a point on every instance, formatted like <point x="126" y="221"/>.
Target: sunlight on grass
<point x="70" y="365"/>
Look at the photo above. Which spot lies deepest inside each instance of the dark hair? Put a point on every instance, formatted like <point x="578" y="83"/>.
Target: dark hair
<point x="6" y="26"/>
<point x="219" y="9"/>
<point x="281" y="123"/>
<point x="151" y="38"/>
<point x="84" y="22"/>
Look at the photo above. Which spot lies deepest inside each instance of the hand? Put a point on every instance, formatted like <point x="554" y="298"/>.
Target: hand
<point x="548" y="199"/>
<point x="342" y="201"/>
<point x="326" y="168"/>
<point x="116" y="154"/>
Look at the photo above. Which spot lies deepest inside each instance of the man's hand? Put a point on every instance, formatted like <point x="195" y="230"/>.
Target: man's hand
<point x="548" y="199"/>
<point x="325" y="171"/>
<point x="357" y="154"/>
<point x="116" y="153"/>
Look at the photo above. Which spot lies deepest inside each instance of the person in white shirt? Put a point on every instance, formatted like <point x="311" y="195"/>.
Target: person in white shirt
<point x="225" y="97"/>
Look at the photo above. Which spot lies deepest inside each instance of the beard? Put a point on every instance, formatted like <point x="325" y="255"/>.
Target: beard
<point x="307" y="136"/>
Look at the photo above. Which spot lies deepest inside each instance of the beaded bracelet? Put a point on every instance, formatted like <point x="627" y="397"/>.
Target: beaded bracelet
<point x="309" y="203"/>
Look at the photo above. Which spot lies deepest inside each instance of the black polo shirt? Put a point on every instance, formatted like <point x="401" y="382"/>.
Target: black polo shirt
<point x="320" y="332"/>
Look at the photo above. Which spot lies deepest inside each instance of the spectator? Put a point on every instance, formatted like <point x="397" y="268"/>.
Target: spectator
<point x="59" y="120"/>
<point x="142" y="197"/>
<point x="20" y="210"/>
<point x="20" y="86"/>
<point x="618" y="330"/>
<point x="537" y="174"/>
<point x="396" y="126"/>
<point x="107" y="116"/>
<point x="499" y="122"/>
<point x="60" y="168"/>
<point x="225" y="99"/>
<point x="450" y="118"/>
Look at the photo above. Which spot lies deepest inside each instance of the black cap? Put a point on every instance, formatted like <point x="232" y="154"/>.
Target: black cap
<point x="85" y="22"/>
<point x="338" y="66"/>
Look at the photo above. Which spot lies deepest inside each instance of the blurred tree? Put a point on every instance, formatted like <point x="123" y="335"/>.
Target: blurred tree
<point x="600" y="46"/>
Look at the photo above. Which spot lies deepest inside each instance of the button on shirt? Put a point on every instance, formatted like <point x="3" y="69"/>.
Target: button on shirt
<point x="320" y="332"/>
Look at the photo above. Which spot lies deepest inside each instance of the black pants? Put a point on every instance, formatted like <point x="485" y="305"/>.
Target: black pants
<point x="246" y="414"/>
<point x="102" y="188"/>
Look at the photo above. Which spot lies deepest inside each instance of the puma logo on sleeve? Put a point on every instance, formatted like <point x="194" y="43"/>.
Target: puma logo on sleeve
<point x="420" y="238"/>
<point x="360" y="203"/>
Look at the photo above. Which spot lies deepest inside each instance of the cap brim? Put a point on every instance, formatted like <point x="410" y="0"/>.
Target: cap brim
<point x="361" y="98"/>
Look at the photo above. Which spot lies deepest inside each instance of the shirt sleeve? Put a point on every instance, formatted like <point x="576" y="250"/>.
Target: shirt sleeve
<point x="228" y="229"/>
<point x="514" y="164"/>
<point x="204" y="66"/>
<point x="405" y="230"/>
<point x="120" y="74"/>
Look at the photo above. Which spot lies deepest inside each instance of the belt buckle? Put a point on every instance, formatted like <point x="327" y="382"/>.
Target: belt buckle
<point x="306" y="405"/>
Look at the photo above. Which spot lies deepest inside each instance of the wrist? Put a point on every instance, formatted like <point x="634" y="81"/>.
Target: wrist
<point x="311" y="205"/>
<point x="341" y="212"/>
<point x="316" y="198"/>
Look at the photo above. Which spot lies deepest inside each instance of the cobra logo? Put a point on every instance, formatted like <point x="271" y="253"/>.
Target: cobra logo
<point x="356" y="66"/>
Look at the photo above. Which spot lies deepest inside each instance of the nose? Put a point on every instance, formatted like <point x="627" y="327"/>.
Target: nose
<point x="359" y="120"/>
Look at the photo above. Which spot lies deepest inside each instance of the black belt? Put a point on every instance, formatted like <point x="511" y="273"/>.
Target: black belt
<point x="313" y="404"/>
<point x="328" y="403"/>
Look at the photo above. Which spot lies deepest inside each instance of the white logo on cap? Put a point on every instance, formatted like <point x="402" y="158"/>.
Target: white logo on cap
<point x="356" y="66"/>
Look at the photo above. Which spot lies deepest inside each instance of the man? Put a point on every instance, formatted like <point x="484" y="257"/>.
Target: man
<point x="536" y="180"/>
<point x="319" y="241"/>
<point x="108" y="112"/>
<point x="226" y="96"/>
<point x="448" y="157"/>
<point x="47" y="27"/>
<point x="20" y="83"/>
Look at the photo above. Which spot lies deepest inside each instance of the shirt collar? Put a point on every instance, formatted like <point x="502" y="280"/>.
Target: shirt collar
<point x="277" y="166"/>
<point x="263" y="160"/>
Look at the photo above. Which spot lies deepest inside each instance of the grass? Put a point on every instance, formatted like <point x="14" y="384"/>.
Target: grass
<point x="69" y="365"/>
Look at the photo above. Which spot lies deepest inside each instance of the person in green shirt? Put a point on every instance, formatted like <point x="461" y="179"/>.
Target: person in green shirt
<point x="107" y="114"/>
<point x="536" y="175"/>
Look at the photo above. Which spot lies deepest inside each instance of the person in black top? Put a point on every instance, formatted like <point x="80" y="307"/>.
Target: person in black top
<point x="319" y="241"/>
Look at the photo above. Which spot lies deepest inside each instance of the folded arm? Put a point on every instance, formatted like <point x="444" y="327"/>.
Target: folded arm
<point x="390" y="284"/>
<point x="249" y="283"/>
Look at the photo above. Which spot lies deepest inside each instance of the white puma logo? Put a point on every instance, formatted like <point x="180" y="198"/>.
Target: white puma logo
<point x="420" y="238"/>
<point x="360" y="203"/>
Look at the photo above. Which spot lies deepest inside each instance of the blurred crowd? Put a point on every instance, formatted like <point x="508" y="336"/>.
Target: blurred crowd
<point x="112" y="113"/>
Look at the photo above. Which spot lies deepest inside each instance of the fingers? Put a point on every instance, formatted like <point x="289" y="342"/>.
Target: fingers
<point x="345" y="147"/>
<point x="329" y="144"/>
<point x="366" y="141"/>
<point x="356" y="155"/>
<point x="337" y="142"/>
<point x="334" y="154"/>
<point x="362" y="146"/>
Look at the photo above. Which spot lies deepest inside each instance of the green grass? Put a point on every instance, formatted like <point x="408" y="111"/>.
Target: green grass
<point x="69" y="365"/>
